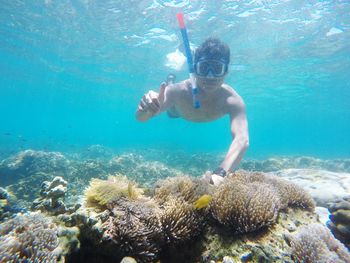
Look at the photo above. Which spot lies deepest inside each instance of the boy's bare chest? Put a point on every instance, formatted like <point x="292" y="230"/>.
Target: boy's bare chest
<point x="209" y="110"/>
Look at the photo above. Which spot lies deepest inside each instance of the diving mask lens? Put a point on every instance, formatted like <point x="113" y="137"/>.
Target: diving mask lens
<point x="216" y="67"/>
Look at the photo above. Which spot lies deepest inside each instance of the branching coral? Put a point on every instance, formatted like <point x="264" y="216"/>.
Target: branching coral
<point x="182" y="187"/>
<point x="134" y="229"/>
<point x="102" y="192"/>
<point x="180" y="221"/>
<point x="315" y="243"/>
<point x="245" y="207"/>
<point x="28" y="238"/>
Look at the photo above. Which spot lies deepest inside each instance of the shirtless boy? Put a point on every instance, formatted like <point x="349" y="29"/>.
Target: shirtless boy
<point x="217" y="99"/>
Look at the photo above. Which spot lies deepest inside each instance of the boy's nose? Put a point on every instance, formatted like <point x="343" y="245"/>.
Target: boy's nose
<point x="210" y="74"/>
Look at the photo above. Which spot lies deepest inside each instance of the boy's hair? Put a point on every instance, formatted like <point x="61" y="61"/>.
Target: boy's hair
<point x="212" y="48"/>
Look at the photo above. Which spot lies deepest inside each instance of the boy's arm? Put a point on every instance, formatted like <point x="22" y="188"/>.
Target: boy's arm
<point x="240" y="143"/>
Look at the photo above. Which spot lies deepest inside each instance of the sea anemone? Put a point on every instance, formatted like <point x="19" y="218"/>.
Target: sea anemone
<point x="245" y="207"/>
<point x="289" y="193"/>
<point x="180" y="221"/>
<point x="102" y="192"/>
<point x="181" y="187"/>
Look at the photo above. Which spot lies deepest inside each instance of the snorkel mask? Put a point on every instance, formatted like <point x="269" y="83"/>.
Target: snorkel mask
<point x="217" y="68"/>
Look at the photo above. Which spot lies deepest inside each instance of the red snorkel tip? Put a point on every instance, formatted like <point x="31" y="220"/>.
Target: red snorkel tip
<point x="180" y="18"/>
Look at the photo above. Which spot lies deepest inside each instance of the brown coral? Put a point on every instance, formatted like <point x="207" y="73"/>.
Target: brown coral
<point x="315" y="243"/>
<point x="102" y="192"/>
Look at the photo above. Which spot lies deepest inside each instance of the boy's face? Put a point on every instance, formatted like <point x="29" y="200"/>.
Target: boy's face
<point x="210" y="73"/>
<point x="209" y="83"/>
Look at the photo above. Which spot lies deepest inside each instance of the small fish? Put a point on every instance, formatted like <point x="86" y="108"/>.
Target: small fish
<point x="3" y="202"/>
<point x="7" y="134"/>
<point x="203" y="201"/>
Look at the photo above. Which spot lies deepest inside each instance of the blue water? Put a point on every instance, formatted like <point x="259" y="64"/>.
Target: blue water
<point x="72" y="73"/>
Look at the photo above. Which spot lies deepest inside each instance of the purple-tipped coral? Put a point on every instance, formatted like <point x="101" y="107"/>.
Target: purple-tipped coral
<point x="315" y="243"/>
<point x="133" y="229"/>
<point x="29" y="238"/>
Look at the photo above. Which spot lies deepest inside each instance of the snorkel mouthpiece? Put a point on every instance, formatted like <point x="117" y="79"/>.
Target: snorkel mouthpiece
<point x="180" y="18"/>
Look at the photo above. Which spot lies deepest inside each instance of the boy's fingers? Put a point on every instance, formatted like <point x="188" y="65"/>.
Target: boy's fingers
<point x="161" y="92"/>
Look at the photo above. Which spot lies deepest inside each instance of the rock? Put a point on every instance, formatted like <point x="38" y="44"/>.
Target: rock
<point x="324" y="186"/>
<point x="340" y="220"/>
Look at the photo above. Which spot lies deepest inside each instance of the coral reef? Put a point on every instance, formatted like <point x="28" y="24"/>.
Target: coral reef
<point x="268" y="245"/>
<point x="315" y="243"/>
<point x="97" y="152"/>
<point x="51" y="197"/>
<point x="246" y="202"/>
<point x="302" y="162"/>
<point x="340" y="220"/>
<point x="29" y="162"/>
<point x="8" y="205"/>
<point x="102" y="192"/>
<point x="137" y="168"/>
<point x="29" y="238"/>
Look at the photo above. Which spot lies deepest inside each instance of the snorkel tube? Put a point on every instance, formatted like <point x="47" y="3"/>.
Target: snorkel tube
<point x="180" y="19"/>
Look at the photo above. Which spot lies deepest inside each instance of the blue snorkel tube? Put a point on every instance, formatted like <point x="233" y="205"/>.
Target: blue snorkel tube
<point x="180" y="19"/>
